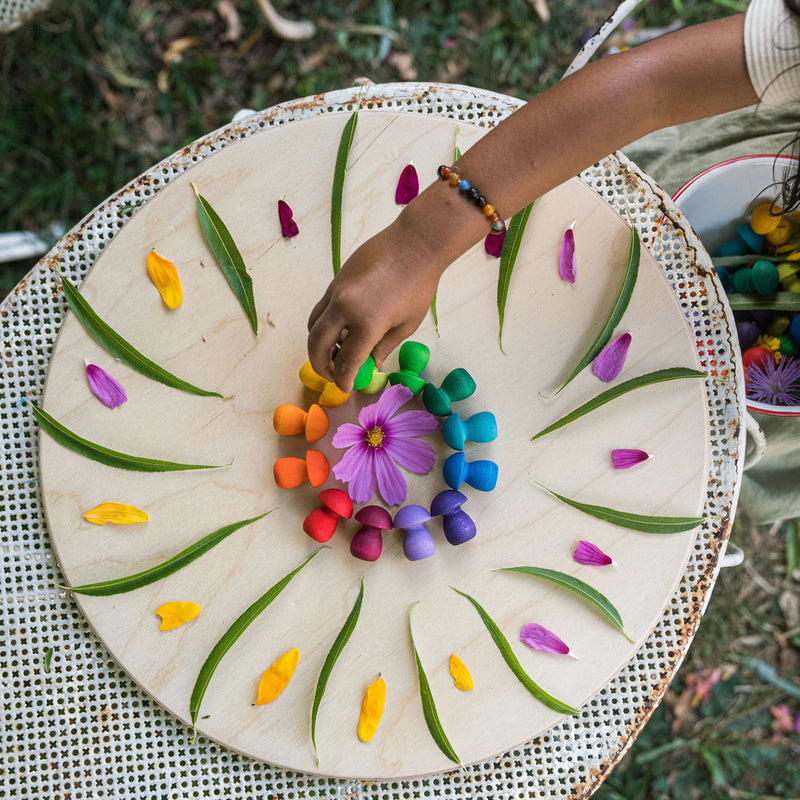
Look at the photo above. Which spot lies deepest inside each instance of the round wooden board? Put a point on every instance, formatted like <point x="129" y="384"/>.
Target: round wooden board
<point x="208" y="341"/>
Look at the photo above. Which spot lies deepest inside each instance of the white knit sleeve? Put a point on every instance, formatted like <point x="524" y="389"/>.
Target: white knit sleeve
<point x="772" y="49"/>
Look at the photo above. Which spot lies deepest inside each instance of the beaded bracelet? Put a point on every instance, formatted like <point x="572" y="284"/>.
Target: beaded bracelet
<point x="452" y="175"/>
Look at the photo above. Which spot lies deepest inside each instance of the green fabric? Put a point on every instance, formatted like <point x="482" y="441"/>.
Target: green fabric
<point x="771" y="488"/>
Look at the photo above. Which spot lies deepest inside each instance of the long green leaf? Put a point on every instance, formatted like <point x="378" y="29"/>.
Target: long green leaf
<point x="513" y="662"/>
<point x="435" y="313"/>
<point x="636" y="522"/>
<point x="333" y="655"/>
<point x="111" y="458"/>
<point x="650" y="378"/>
<point x="168" y="567"/>
<point x="337" y="193"/>
<point x="230" y="637"/>
<point x="48" y="657"/>
<point x="598" y="600"/>
<point x="228" y="257"/>
<point x="508" y="259"/>
<point x="428" y="706"/>
<point x="111" y="341"/>
<point x="618" y="309"/>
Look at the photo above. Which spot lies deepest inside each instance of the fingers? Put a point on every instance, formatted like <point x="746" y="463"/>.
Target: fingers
<point x="324" y="335"/>
<point x="389" y="342"/>
<point x="355" y="348"/>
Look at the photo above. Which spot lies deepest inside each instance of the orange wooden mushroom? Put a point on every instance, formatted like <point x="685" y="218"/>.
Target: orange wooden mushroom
<point x="289" y="420"/>
<point x="321" y="523"/>
<point x="290" y="472"/>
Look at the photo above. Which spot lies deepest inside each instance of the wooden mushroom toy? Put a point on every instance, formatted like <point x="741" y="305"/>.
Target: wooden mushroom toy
<point x="369" y="379"/>
<point x="331" y="396"/>
<point x="481" y="475"/>
<point x="290" y="472"/>
<point x="367" y="543"/>
<point x="480" y="427"/>
<point x="458" y="385"/>
<point x="413" y="358"/>
<point x="321" y="523"/>
<point x="417" y="540"/>
<point x="458" y="525"/>
<point x="289" y="420"/>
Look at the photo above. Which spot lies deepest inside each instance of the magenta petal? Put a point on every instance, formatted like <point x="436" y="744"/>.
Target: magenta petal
<point x="106" y="388"/>
<point x="357" y="469"/>
<point x="625" y="458"/>
<point x="611" y="359"/>
<point x="410" y="423"/>
<point x="539" y="638"/>
<point x="288" y="225"/>
<point x="590" y="554"/>
<point x="567" y="264"/>
<point x="493" y="243"/>
<point x="412" y="454"/>
<point x="393" y="398"/>
<point x="347" y="434"/>
<point x="391" y="483"/>
<point x="407" y="186"/>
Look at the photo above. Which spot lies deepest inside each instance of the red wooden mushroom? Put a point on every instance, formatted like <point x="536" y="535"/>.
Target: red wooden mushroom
<point x="321" y="523"/>
<point x="367" y="543"/>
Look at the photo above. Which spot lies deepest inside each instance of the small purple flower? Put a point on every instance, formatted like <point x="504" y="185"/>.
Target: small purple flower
<point x="407" y="186"/>
<point x="567" y="264"/>
<point x="624" y="458"/>
<point x="378" y="441"/>
<point x="288" y="225"/>
<point x="590" y="555"/>
<point x="611" y="359"/>
<point x="493" y="243"/>
<point x="107" y="389"/>
<point x="537" y="637"/>
<point x="776" y="384"/>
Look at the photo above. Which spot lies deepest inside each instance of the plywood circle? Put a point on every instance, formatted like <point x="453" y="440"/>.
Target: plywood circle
<point x="208" y="341"/>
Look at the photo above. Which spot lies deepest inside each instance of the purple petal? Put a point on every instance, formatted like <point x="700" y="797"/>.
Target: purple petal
<point x="107" y="389"/>
<point x="412" y="454"/>
<point x="391" y="400"/>
<point x="567" y="264"/>
<point x="347" y="434"/>
<point x="625" y="458"/>
<point x="410" y="423"/>
<point x="391" y="483"/>
<point x="407" y="186"/>
<point x="611" y="359"/>
<point x="288" y="225"/>
<point x="590" y="554"/>
<point x="538" y="637"/>
<point x="357" y="469"/>
<point x="493" y="243"/>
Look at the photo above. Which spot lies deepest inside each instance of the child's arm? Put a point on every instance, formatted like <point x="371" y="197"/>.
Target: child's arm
<point x="384" y="289"/>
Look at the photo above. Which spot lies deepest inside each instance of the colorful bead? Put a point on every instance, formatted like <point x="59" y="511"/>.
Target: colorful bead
<point x="452" y="175"/>
<point x="444" y="171"/>
<point x="454" y="179"/>
<point x="499" y="226"/>
<point x="481" y="201"/>
<point x="464" y="185"/>
<point x="488" y="209"/>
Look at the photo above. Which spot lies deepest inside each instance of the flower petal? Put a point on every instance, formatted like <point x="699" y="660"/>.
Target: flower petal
<point x="413" y="454"/>
<point x="164" y="275"/>
<point x="538" y="637"/>
<point x="392" y="399"/>
<point x="116" y="514"/>
<point x="567" y="264"/>
<point x="347" y="434"/>
<point x="462" y="679"/>
<point x="407" y="186"/>
<point x="357" y="469"/>
<point x="410" y="423"/>
<point x="611" y="359"/>
<point x="391" y="483"/>
<point x="275" y="679"/>
<point x="176" y="613"/>
<point x="106" y="388"/>
<point x="493" y="243"/>
<point x="591" y="554"/>
<point x="371" y="709"/>
<point x="623" y="458"/>
<point x="288" y="225"/>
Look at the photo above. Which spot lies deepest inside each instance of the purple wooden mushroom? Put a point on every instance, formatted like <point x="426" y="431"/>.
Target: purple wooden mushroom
<point x="367" y="543"/>
<point x="458" y="525"/>
<point x="417" y="540"/>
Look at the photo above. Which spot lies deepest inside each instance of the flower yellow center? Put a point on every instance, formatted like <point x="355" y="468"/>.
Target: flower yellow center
<point x="374" y="437"/>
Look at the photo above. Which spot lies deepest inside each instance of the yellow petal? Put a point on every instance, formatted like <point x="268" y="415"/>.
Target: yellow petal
<point x="277" y="677"/>
<point x="175" y="613"/>
<point x="165" y="278"/>
<point x="371" y="709"/>
<point x="115" y="513"/>
<point x="461" y="677"/>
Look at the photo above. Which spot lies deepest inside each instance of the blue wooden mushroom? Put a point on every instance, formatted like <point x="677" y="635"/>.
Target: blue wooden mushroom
<point x="417" y="540"/>
<point x="458" y="525"/>
<point x="481" y="475"/>
<point x="480" y="427"/>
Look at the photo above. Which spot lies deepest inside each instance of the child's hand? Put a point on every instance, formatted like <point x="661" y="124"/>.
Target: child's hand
<point x="377" y="300"/>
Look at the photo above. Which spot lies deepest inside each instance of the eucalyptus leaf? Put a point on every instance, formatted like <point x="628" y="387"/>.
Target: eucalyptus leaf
<point x="337" y="193"/>
<point x="618" y="309"/>
<point x="168" y="567"/>
<point x="513" y="662"/>
<point x="230" y="637"/>
<point x="333" y="655"/>
<point x="779" y="301"/>
<point x="111" y="341"/>
<point x="636" y="522"/>
<point x="428" y="706"/>
<point x="508" y="259"/>
<point x="48" y="658"/>
<point x="648" y="379"/>
<point x="598" y="600"/>
<point x="228" y="257"/>
<point x="111" y="458"/>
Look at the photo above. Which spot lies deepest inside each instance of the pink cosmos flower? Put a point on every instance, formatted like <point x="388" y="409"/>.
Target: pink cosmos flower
<point x="378" y="441"/>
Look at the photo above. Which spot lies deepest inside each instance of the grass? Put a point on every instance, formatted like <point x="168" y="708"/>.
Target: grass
<point x="92" y="93"/>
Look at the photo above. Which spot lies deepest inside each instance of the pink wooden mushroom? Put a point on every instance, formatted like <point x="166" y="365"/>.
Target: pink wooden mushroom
<point x="321" y="523"/>
<point x="367" y="543"/>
